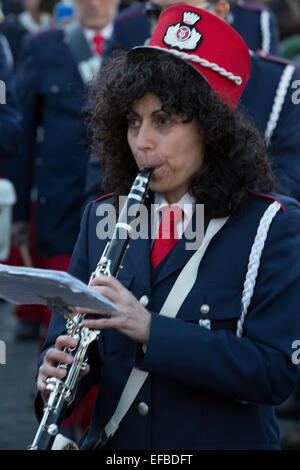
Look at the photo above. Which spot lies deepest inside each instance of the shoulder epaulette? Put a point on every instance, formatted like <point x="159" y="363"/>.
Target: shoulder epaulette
<point x="101" y="198"/>
<point x="251" y="7"/>
<point x="272" y="197"/>
<point x="46" y="32"/>
<point x="130" y="13"/>
<point x="274" y="58"/>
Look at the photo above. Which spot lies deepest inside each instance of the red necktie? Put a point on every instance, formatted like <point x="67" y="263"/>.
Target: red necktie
<point x="98" y="42"/>
<point x="167" y="234"/>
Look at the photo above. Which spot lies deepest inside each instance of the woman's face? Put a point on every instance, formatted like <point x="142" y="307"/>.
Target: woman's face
<point x="161" y="141"/>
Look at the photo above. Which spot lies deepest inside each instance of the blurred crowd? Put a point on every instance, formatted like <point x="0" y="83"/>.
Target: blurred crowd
<point x="50" y="52"/>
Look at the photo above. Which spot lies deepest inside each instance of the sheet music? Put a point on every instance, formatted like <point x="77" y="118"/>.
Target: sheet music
<point x="56" y="289"/>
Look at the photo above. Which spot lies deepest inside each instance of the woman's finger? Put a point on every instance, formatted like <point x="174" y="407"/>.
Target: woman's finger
<point x="65" y="341"/>
<point x="47" y="371"/>
<point x="108" y="281"/>
<point x="106" y="291"/>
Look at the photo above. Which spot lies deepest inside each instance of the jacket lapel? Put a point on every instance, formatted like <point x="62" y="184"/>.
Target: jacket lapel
<point x="87" y="64"/>
<point x="177" y="258"/>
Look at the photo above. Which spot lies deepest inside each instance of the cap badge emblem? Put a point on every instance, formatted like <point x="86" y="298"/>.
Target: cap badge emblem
<point x="184" y="36"/>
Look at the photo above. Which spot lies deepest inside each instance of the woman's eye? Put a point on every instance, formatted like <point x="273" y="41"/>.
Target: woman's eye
<point x="133" y="123"/>
<point x="164" y="120"/>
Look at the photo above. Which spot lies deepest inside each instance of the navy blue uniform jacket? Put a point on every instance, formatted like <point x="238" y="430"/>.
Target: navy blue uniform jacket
<point x="55" y="151"/>
<point x="10" y="116"/>
<point x="200" y="378"/>
<point x="14" y="32"/>
<point x="270" y="101"/>
<point x="257" y="25"/>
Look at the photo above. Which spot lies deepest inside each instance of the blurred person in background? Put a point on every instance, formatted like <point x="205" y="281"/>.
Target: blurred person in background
<point x="11" y="7"/>
<point x="30" y="20"/>
<point x="51" y="80"/>
<point x="10" y="140"/>
<point x="288" y="15"/>
<point x="55" y="67"/>
<point x="10" y="117"/>
<point x="15" y="28"/>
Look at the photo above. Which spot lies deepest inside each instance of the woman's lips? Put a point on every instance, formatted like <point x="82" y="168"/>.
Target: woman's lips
<point x="156" y="168"/>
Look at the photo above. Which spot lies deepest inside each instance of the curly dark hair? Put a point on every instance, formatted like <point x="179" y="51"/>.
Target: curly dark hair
<point x="235" y="157"/>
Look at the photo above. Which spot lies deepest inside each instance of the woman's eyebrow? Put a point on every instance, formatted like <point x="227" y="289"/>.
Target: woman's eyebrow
<point x="156" y="111"/>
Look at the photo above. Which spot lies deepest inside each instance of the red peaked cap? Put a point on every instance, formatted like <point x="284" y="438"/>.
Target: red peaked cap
<point x="193" y="34"/>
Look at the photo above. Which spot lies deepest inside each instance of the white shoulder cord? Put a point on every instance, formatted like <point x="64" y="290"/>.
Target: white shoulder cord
<point x="278" y="101"/>
<point x="265" y="30"/>
<point x="254" y="262"/>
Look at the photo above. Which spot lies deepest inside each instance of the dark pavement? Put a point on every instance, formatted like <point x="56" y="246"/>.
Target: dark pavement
<point x="18" y="423"/>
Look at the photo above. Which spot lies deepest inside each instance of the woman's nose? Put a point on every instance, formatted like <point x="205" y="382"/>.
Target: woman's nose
<point x="145" y="138"/>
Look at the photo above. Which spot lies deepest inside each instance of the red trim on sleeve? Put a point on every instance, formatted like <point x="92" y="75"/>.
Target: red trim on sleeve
<point x="47" y="32"/>
<point x="273" y="58"/>
<point x="251" y="7"/>
<point x="131" y="14"/>
<point x="268" y="196"/>
<point x="106" y="196"/>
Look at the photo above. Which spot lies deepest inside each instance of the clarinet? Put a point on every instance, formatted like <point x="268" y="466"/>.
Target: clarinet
<point x="62" y="390"/>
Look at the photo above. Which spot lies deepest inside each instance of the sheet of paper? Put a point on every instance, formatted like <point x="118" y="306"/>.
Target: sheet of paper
<point x="56" y="289"/>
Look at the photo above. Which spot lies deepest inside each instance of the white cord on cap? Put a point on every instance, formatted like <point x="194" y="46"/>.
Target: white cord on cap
<point x="205" y="63"/>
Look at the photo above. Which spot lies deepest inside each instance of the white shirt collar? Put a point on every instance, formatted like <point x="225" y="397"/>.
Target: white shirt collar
<point x="186" y="203"/>
<point x="105" y="32"/>
<point x="90" y="33"/>
<point x="30" y="25"/>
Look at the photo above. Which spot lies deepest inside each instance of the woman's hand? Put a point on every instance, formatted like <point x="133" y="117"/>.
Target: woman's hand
<point x="130" y="318"/>
<point x="53" y="358"/>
